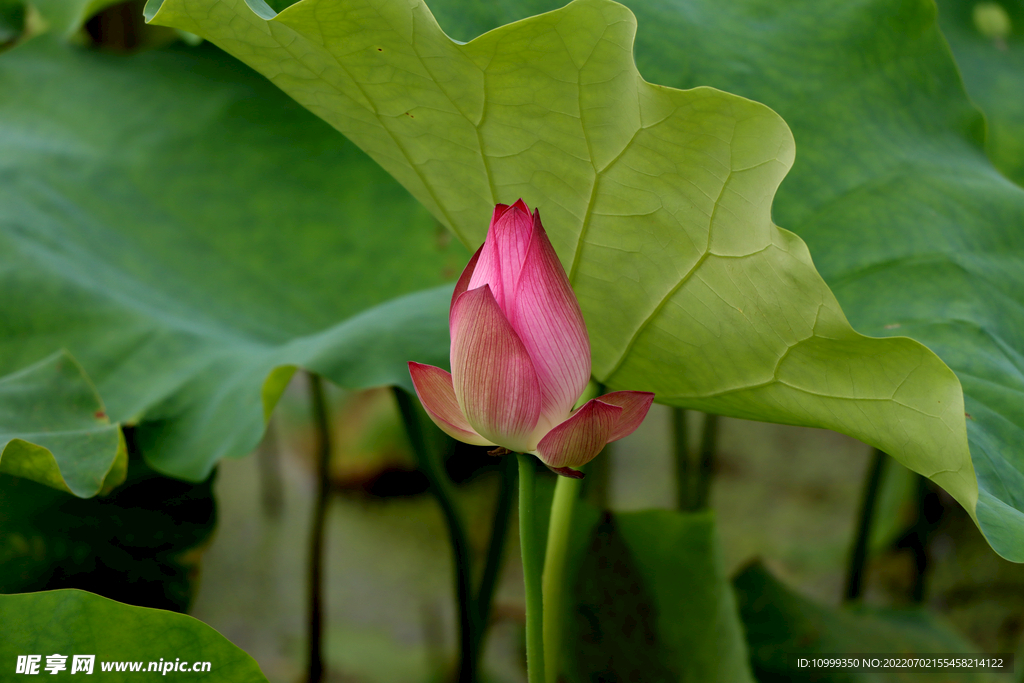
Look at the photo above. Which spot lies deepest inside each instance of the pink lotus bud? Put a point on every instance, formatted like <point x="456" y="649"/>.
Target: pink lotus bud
<point x="521" y="356"/>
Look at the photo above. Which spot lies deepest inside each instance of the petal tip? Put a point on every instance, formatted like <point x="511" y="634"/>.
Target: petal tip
<point x="634" y="404"/>
<point x="580" y="438"/>
<point x="567" y="472"/>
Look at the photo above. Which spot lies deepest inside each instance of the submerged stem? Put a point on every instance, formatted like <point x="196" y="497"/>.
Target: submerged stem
<point x="708" y="446"/>
<point x="268" y="458"/>
<point x="531" y="552"/>
<point x="859" y="550"/>
<point x="495" y="550"/>
<point x="321" y="420"/>
<point x="682" y="453"/>
<point x="554" y="583"/>
<point x="918" y="541"/>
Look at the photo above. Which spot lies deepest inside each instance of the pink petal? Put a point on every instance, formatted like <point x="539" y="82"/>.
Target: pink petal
<point x="567" y="472"/>
<point x="463" y="284"/>
<point x="576" y="441"/>
<point x="634" y="404"/>
<point x="547" y="318"/>
<point x="503" y="252"/>
<point x="434" y="387"/>
<point x="492" y="373"/>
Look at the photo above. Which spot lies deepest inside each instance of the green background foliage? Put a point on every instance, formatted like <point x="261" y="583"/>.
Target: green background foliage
<point x="653" y="603"/>
<point x="71" y="622"/>
<point x="650" y="599"/>
<point x="55" y="430"/>
<point x="992" y="65"/>
<point x="780" y="623"/>
<point x="189" y="235"/>
<point x="139" y="544"/>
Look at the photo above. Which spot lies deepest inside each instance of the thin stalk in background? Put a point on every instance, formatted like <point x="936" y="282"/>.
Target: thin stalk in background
<point x="495" y="551"/>
<point x="596" y="484"/>
<point x="918" y="539"/>
<point x="919" y="546"/>
<point x="444" y="493"/>
<point x="567" y="491"/>
<point x="682" y="453"/>
<point x="859" y="550"/>
<point x="322" y="455"/>
<point x="708" y="447"/>
<point x="531" y="550"/>
<point x="268" y="457"/>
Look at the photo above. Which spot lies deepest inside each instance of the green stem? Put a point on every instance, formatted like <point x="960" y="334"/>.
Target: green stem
<point x="682" y="453"/>
<point x="530" y="546"/>
<point x="495" y="551"/>
<point x="559" y="527"/>
<point x="919" y="540"/>
<point x="443" y="492"/>
<point x="708" y="446"/>
<point x="859" y="552"/>
<point x="321" y="419"/>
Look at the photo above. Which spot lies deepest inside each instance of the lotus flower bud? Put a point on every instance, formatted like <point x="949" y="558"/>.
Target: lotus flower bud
<point x="520" y="355"/>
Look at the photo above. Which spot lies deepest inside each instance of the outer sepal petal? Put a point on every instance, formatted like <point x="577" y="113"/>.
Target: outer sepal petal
<point x="576" y="441"/>
<point x="436" y="393"/>
<point x="547" y="318"/>
<point x="634" y="404"/>
<point x="493" y="376"/>
<point x="567" y="472"/>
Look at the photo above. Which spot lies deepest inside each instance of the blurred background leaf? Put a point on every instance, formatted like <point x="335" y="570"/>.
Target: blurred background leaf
<point x="64" y="17"/>
<point x="187" y="232"/>
<point x="780" y="623"/>
<point x="653" y="603"/>
<point x="13" y="21"/>
<point x="55" y="430"/>
<point x="76" y="622"/>
<point x="141" y="544"/>
<point x="987" y="38"/>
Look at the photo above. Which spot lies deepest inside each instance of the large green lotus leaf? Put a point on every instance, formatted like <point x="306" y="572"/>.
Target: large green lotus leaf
<point x="658" y="202"/>
<point x="908" y="221"/>
<point x="653" y="603"/>
<point x="913" y="229"/>
<point x="987" y="39"/>
<point x="73" y="622"/>
<point x="781" y="624"/>
<point x="190" y="235"/>
<point x="55" y="430"/>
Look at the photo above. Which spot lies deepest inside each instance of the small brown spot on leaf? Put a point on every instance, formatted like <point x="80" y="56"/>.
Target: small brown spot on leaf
<point x="100" y="414"/>
<point x="968" y="416"/>
<point x="409" y="115"/>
